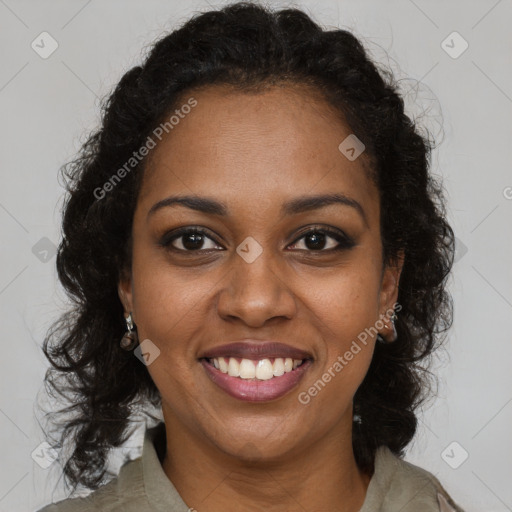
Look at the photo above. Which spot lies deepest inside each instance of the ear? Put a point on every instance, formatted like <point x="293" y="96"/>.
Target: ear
<point x="390" y="283"/>
<point x="124" y="290"/>
<point x="388" y="297"/>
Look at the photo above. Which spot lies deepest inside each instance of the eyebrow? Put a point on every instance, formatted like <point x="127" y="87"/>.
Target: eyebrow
<point x="293" y="207"/>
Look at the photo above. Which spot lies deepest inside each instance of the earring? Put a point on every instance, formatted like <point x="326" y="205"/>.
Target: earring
<point x="394" y="334"/>
<point x="381" y="340"/>
<point x="130" y="338"/>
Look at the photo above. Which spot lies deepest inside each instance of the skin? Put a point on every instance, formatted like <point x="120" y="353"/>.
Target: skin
<point x="253" y="152"/>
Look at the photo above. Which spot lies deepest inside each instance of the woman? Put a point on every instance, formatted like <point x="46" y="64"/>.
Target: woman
<point x="254" y="244"/>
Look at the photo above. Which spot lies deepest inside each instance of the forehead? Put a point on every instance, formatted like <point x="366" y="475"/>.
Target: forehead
<point x="263" y="144"/>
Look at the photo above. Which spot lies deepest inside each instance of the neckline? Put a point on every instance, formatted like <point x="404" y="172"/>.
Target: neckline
<point x="162" y="494"/>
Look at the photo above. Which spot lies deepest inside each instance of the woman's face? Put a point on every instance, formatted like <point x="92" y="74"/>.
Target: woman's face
<point x="256" y="275"/>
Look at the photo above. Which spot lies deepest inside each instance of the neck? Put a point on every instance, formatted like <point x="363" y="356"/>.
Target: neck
<point x="322" y="476"/>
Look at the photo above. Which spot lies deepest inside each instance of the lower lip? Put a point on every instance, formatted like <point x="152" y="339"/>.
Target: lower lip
<point x="256" y="390"/>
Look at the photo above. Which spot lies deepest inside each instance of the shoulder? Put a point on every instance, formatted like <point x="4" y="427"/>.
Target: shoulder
<point x="69" y="505"/>
<point x="125" y="493"/>
<point x="141" y="485"/>
<point x="398" y="482"/>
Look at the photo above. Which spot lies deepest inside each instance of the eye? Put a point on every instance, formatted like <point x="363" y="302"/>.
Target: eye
<point x="188" y="240"/>
<point x="317" y="239"/>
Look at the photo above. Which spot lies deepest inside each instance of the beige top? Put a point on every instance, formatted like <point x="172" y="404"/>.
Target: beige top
<point x="142" y="486"/>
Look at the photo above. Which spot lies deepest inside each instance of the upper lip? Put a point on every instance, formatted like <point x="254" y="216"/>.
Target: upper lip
<point x="254" y="349"/>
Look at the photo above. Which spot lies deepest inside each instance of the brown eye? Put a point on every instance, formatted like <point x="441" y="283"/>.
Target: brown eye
<point x="189" y="240"/>
<point x="324" y="240"/>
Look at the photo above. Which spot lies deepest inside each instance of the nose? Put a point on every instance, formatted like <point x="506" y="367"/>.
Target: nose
<point x="256" y="292"/>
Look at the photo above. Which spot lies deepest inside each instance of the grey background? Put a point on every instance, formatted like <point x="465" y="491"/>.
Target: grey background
<point x="47" y="106"/>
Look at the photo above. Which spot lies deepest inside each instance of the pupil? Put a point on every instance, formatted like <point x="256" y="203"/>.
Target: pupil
<point x="193" y="241"/>
<point x="318" y="240"/>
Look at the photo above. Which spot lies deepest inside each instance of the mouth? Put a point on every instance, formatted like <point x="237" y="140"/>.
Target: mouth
<point x="261" y="371"/>
<point x="255" y="370"/>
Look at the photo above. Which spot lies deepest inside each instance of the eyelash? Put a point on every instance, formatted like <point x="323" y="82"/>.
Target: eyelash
<point x="344" y="241"/>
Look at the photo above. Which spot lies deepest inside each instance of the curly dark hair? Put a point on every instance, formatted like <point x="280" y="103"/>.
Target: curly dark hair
<point x="244" y="46"/>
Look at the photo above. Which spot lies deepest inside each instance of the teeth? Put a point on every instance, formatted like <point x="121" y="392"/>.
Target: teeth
<point x="233" y="368"/>
<point x="263" y="369"/>
<point x="278" y="367"/>
<point x="223" y="365"/>
<point x="247" y="369"/>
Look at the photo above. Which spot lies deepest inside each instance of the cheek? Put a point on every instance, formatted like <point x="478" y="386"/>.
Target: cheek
<point x="345" y="308"/>
<point x="347" y="301"/>
<point x="167" y="301"/>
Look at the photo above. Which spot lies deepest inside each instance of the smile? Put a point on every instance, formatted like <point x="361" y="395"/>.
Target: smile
<point x="256" y="380"/>
<point x="262" y="369"/>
